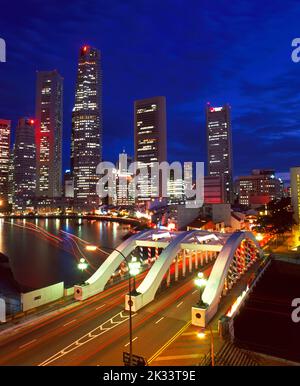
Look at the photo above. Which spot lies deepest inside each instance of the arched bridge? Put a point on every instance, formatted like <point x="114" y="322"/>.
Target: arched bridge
<point x="182" y="250"/>
<point x="232" y="253"/>
<point x="238" y="254"/>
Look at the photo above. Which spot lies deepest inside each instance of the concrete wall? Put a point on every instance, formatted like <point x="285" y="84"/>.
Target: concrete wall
<point x="186" y="215"/>
<point x="42" y="296"/>
<point x="221" y="213"/>
<point x="69" y="291"/>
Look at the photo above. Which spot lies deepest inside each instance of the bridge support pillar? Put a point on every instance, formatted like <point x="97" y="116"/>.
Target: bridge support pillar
<point x="206" y="257"/>
<point x="169" y="277"/>
<point x="201" y="258"/>
<point x="176" y="268"/>
<point x="196" y="259"/>
<point x="183" y="263"/>
<point x="190" y="261"/>
<point x="199" y="316"/>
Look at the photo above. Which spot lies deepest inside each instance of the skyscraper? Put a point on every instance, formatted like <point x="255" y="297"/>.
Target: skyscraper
<point x="4" y="159"/>
<point x="150" y="131"/>
<point x="219" y="146"/>
<point x="86" y="148"/>
<point x="49" y="102"/>
<point x="24" y="164"/>
<point x="295" y="193"/>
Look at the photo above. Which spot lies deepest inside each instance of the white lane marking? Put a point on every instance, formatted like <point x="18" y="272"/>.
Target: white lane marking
<point x="159" y="320"/>
<point x="98" y="308"/>
<point x="28" y="343"/>
<point x="93" y="334"/>
<point x="194" y="292"/>
<point x="71" y="321"/>
<point x="178" y="305"/>
<point x="127" y="344"/>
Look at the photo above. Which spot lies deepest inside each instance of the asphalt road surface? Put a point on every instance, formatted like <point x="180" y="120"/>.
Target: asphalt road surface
<point x="97" y="331"/>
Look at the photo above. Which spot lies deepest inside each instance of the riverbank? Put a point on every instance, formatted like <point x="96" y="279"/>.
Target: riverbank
<point x="123" y="220"/>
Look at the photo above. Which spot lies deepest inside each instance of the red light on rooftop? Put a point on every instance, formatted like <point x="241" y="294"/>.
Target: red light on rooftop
<point x="85" y="48"/>
<point x="31" y="121"/>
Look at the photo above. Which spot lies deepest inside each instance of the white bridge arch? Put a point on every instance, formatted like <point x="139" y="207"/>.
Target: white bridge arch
<point x="238" y="254"/>
<point x="230" y="254"/>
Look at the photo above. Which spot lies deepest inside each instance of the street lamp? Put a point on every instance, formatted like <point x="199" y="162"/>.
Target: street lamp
<point x="133" y="269"/>
<point x="201" y="282"/>
<point x="82" y="265"/>
<point x="259" y="237"/>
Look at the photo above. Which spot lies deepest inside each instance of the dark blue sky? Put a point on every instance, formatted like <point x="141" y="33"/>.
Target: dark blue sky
<point x="236" y="52"/>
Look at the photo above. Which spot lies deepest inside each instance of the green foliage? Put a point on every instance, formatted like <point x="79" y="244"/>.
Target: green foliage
<point x="279" y="219"/>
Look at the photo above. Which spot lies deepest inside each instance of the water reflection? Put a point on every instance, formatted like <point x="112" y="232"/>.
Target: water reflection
<point x="37" y="257"/>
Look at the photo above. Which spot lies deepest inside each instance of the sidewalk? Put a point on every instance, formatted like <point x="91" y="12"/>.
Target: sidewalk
<point x="186" y="349"/>
<point x="24" y="319"/>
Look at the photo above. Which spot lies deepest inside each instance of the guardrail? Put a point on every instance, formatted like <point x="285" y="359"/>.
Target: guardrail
<point x="259" y="274"/>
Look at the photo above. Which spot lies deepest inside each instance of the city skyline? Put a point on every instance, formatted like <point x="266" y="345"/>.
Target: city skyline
<point x="149" y="187"/>
<point x="186" y="91"/>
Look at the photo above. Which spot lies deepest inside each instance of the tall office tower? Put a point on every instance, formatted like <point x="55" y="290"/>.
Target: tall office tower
<point x="150" y="144"/>
<point x="4" y="159"/>
<point x="49" y="116"/>
<point x="11" y="177"/>
<point x="295" y="193"/>
<point x="219" y="146"/>
<point x="86" y="148"/>
<point x="68" y="184"/>
<point x="24" y="164"/>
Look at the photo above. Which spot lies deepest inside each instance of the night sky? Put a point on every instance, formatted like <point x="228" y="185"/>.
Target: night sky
<point x="236" y="52"/>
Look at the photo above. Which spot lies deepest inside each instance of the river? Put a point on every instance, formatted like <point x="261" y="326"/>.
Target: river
<point x="42" y="252"/>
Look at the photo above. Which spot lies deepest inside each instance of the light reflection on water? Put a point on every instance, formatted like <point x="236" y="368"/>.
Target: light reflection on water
<point x="37" y="262"/>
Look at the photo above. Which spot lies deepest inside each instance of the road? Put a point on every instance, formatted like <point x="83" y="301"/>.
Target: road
<point x="96" y="332"/>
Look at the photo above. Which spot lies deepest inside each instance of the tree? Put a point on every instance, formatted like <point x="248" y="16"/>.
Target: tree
<point x="279" y="219"/>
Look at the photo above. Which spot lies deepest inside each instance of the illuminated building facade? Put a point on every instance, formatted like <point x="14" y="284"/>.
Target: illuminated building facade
<point x="24" y="164"/>
<point x="295" y="193"/>
<point x="219" y="146"/>
<point x="68" y="184"/>
<point x="5" y="127"/>
<point x="259" y="188"/>
<point x="213" y="190"/>
<point x="49" y="102"/>
<point x="124" y="195"/>
<point x="150" y="145"/>
<point x="176" y="189"/>
<point x="86" y="147"/>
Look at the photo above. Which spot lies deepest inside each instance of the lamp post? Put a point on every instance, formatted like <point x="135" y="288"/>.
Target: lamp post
<point x="133" y="269"/>
<point x="82" y="265"/>
<point x="201" y="335"/>
<point x="201" y="282"/>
